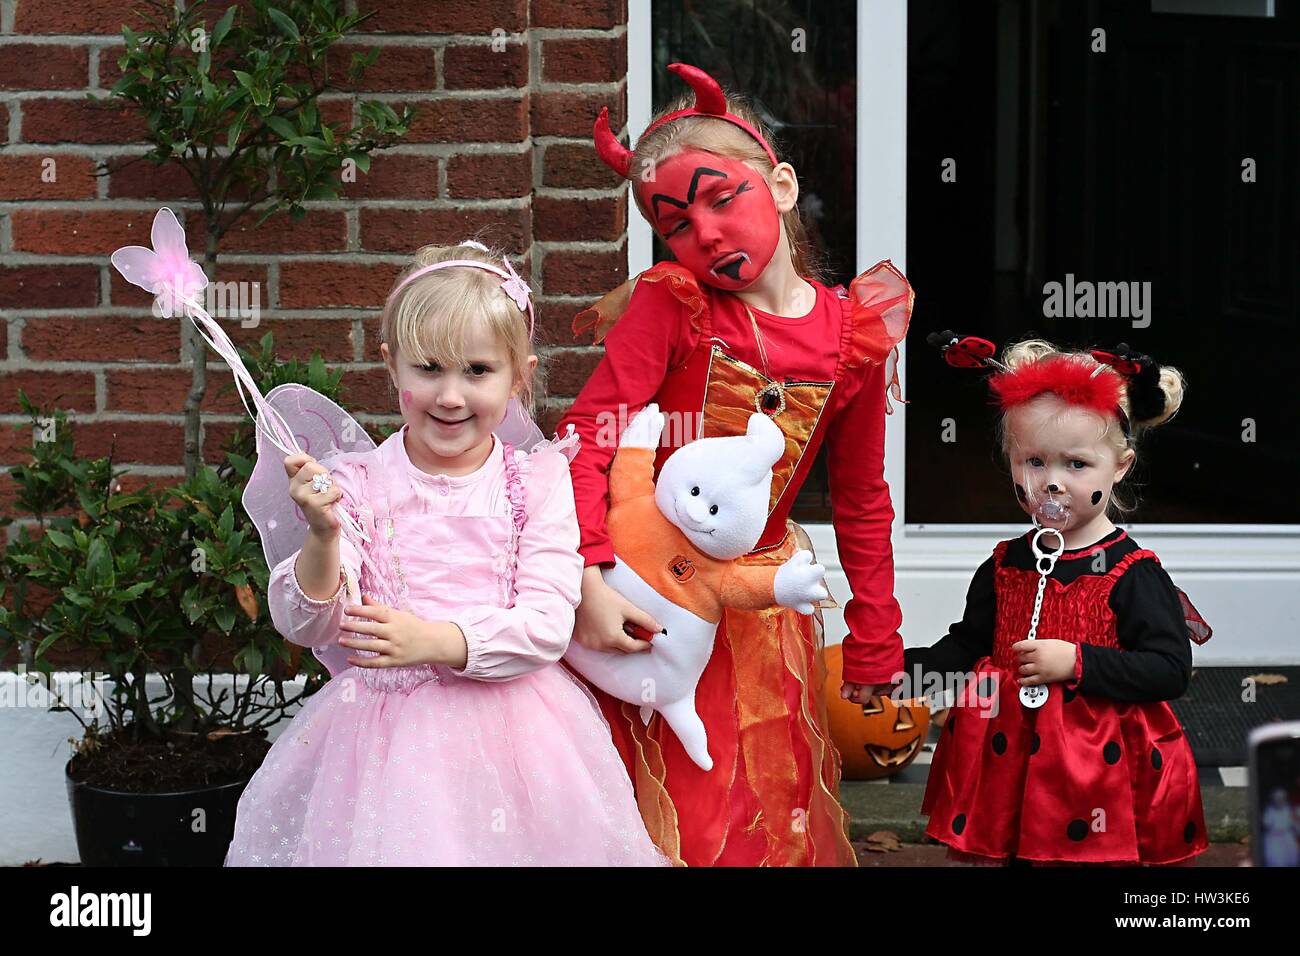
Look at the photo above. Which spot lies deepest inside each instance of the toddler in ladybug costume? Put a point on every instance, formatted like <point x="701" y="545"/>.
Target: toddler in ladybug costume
<point x="1061" y="746"/>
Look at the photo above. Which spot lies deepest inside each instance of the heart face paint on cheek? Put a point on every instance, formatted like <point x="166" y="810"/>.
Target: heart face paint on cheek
<point x="406" y="397"/>
<point x="1096" y="497"/>
<point x="716" y="214"/>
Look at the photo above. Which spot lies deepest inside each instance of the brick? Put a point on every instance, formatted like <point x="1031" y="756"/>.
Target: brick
<point x="572" y="114"/>
<point x="49" y="287"/>
<point x="549" y="415"/>
<point x="298" y="338"/>
<point x="421" y="16"/>
<point x="398" y="68"/>
<point x="578" y="14"/>
<point x="584" y="60"/>
<point x="87" y="121"/>
<point x="567" y="370"/>
<point x="102" y="339"/>
<point x="371" y="339"/>
<point x="567" y="272"/>
<point x="405" y="230"/>
<point x="558" y="219"/>
<point x="142" y="442"/>
<point x="215" y="436"/>
<point x="336" y="110"/>
<point x="469" y="119"/>
<point x="4" y="124"/>
<point x="131" y="177"/>
<point x="396" y="176"/>
<point x="369" y="390"/>
<point x="43" y="17"/>
<point x="79" y="232"/>
<point x="490" y="175"/>
<point x="555" y="320"/>
<point x="576" y="166"/>
<point x="43" y="66"/>
<point x="159" y="391"/>
<point x="24" y="177"/>
<point x="66" y="390"/>
<point x="109" y="71"/>
<point x="485" y="66"/>
<point x="15" y="446"/>
<point x="305" y="285"/>
<point x="320" y="230"/>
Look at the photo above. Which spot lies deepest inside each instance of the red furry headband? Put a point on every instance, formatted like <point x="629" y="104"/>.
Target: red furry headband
<point x="1096" y="388"/>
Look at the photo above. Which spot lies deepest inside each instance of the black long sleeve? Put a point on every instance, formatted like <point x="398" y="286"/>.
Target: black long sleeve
<point x="1156" y="660"/>
<point x="967" y="640"/>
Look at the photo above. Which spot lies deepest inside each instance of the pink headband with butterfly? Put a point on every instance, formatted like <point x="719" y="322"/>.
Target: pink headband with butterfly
<point x="513" y="286"/>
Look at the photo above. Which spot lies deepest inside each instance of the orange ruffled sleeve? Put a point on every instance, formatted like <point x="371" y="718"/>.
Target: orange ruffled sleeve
<point x="877" y="310"/>
<point x="601" y="317"/>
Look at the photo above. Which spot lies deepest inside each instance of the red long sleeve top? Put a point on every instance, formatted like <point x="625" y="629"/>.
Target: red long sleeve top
<point x="656" y="336"/>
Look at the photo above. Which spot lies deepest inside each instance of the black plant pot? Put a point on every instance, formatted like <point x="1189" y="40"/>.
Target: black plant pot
<point x="153" y="829"/>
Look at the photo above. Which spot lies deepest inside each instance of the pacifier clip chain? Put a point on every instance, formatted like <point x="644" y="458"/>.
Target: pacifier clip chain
<point x="1036" y="696"/>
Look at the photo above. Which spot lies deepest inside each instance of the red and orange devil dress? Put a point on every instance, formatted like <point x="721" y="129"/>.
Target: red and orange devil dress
<point x="1101" y="772"/>
<point x="772" y="795"/>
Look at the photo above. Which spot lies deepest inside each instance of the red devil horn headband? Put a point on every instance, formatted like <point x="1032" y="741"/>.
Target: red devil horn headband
<point x="709" y="101"/>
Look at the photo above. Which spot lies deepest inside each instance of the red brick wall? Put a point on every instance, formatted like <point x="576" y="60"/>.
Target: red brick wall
<point x="501" y="147"/>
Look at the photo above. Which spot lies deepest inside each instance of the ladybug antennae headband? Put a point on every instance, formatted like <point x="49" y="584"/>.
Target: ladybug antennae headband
<point x="709" y="101"/>
<point x="1064" y="376"/>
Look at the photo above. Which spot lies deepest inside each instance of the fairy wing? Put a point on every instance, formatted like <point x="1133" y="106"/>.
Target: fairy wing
<point x="324" y="431"/>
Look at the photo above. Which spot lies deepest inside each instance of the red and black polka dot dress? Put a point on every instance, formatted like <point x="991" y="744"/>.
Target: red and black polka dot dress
<point x="1102" y="772"/>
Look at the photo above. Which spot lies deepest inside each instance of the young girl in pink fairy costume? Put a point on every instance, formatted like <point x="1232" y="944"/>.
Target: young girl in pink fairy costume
<point x="448" y="734"/>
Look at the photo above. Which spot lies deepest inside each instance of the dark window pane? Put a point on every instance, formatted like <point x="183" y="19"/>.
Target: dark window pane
<point x="1125" y="167"/>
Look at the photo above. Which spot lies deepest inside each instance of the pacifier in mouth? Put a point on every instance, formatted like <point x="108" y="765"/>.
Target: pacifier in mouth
<point x="1053" y="509"/>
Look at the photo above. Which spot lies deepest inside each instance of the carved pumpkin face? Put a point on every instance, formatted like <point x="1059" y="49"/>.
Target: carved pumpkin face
<point x="876" y="739"/>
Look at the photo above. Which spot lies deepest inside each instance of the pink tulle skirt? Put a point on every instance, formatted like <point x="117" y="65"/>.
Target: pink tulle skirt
<point x="451" y="772"/>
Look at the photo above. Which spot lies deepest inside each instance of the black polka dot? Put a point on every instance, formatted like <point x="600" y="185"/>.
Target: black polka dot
<point x="1077" y="830"/>
<point x="1111" y="753"/>
<point x="999" y="743"/>
<point x="1069" y="695"/>
<point x="1096" y="497"/>
<point x="1020" y="493"/>
<point x="1156" y="760"/>
<point x="959" y="823"/>
<point x="1033" y="744"/>
<point x="1189" y="831"/>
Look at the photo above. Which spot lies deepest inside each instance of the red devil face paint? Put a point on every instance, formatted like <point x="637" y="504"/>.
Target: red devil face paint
<point x="717" y="216"/>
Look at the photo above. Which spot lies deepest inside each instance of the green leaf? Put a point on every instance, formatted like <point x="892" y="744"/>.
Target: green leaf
<point x="225" y="618"/>
<point x="223" y="27"/>
<point x="226" y="523"/>
<point x="59" y="538"/>
<point x="286" y="25"/>
<point x="99" y="562"/>
<point x="282" y="127"/>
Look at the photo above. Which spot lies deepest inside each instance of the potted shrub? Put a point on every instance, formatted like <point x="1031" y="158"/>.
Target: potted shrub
<point x="121" y="583"/>
<point x="168" y="585"/>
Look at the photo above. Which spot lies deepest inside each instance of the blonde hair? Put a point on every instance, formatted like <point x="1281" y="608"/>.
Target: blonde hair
<point x="722" y="138"/>
<point x="1172" y="384"/>
<point x="430" y="320"/>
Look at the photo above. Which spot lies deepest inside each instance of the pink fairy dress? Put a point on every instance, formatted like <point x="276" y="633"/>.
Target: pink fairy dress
<point x="506" y="762"/>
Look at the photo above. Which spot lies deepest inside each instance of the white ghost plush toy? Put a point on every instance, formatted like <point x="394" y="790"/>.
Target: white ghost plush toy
<point x="675" y="544"/>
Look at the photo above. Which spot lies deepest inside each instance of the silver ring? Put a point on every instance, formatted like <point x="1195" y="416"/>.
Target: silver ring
<point x="321" y="482"/>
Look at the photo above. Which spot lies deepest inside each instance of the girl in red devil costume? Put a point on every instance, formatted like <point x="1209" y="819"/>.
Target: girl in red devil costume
<point x="736" y="325"/>
<point x="1061" y="747"/>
